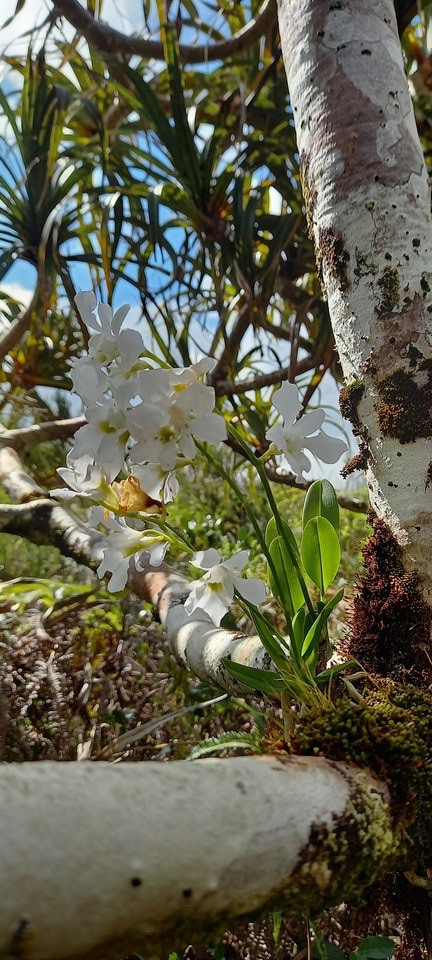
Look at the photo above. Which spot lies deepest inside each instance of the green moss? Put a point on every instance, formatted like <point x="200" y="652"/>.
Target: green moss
<point x="349" y="399"/>
<point x="337" y="863"/>
<point x="391" y="734"/>
<point x="404" y="408"/>
<point x="389" y="287"/>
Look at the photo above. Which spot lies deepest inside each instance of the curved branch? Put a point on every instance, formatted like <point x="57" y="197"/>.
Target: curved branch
<point x="194" y="641"/>
<point x="112" y="42"/>
<point x="46" y="523"/>
<point x="161" y="853"/>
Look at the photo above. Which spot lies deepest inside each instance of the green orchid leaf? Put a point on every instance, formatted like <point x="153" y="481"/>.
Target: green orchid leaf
<point x="313" y="636"/>
<point x="375" y="948"/>
<point x="326" y="675"/>
<point x="285" y="586"/>
<point x="263" y="680"/>
<point x="320" y="552"/>
<point x="273" y="531"/>
<point x="299" y="629"/>
<point x="274" y="643"/>
<point x="321" y="501"/>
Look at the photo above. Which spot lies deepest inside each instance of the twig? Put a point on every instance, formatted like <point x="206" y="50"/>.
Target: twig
<point x="224" y="388"/>
<point x="290" y="480"/>
<point x="112" y="42"/>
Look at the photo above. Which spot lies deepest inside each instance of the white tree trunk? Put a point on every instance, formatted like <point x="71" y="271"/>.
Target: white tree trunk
<point x="102" y="860"/>
<point x="368" y="208"/>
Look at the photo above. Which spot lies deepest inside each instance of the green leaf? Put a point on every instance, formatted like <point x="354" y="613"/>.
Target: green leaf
<point x="320" y="552"/>
<point x="299" y="629"/>
<point x="374" y="948"/>
<point x="285" y="586"/>
<point x="272" y="641"/>
<point x="273" y="531"/>
<point x="326" y="675"/>
<point x="263" y="680"/>
<point x="313" y="635"/>
<point x="327" y="951"/>
<point x="321" y="501"/>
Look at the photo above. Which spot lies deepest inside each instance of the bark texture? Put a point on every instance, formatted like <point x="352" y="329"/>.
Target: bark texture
<point x="101" y="860"/>
<point x="368" y="208"/>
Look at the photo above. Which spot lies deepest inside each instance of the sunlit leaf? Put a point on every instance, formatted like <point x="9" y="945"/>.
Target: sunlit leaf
<point x="320" y="552"/>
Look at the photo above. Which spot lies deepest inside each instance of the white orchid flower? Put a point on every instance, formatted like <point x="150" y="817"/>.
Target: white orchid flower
<point x="108" y="341"/>
<point x="84" y="479"/>
<point x="102" y="439"/>
<point x="125" y="543"/>
<point x="158" y="483"/>
<point x="214" y="592"/>
<point x="296" y="436"/>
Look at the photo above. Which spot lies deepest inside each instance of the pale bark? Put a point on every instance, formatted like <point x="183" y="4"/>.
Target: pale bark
<point x="368" y="206"/>
<point x="101" y="860"/>
<point x="194" y="640"/>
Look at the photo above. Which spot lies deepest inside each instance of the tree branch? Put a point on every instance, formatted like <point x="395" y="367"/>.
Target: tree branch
<point x="44" y="522"/>
<point x="290" y="480"/>
<point x="24" y="438"/>
<point x="160" y="853"/>
<point x="18" y="484"/>
<point x="225" y="388"/>
<point x="19" y="326"/>
<point x="112" y="42"/>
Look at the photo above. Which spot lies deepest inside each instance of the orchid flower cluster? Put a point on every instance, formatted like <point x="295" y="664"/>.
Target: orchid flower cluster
<point x="143" y="418"/>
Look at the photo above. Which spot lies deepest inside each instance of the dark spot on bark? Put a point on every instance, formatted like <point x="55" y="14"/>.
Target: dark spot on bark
<point x="416" y="242"/>
<point x="428" y="480"/>
<point x="332" y="255"/>
<point x="404" y="409"/>
<point x="136" y="882"/>
<point x="424" y="285"/>
<point x="366" y="53"/>
<point x="389" y="290"/>
<point x="241" y="786"/>
<point x="309" y="193"/>
<point x="349" y="399"/>
<point x="187" y="893"/>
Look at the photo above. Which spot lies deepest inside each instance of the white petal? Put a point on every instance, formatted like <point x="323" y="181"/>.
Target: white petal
<point x="308" y="423"/>
<point x="211" y="427"/>
<point x="86" y="304"/>
<point x="251" y="589"/>
<point x="238" y="561"/>
<point x="287" y="401"/>
<point x="105" y="316"/>
<point x="326" y="448"/>
<point x="206" y="559"/>
<point x="118" y="318"/>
